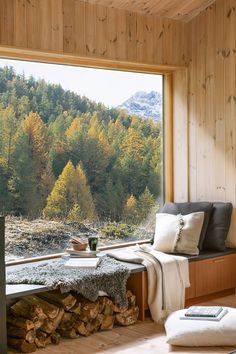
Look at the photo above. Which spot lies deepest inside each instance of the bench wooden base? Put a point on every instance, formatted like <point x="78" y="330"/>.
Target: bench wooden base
<point x="209" y="278"/>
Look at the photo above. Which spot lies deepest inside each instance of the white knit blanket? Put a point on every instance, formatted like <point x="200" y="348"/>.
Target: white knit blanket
<point x="168" y="276"/>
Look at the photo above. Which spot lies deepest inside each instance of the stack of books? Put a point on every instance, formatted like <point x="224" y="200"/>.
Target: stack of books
<point x="81" y="254"/>
<point x="205" y="313"/>
<point x="85" y="263"/>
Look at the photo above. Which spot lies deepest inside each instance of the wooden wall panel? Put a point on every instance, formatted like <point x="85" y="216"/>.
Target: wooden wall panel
<point x="180" y="135"/>
<point x="212" y="106"/>
<point x="78" y="27"/>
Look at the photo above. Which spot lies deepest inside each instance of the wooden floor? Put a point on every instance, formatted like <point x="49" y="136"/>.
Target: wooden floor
<point x="141" y="338"/>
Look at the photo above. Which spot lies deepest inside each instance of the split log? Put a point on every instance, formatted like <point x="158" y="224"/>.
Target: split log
<point x="96" y="323"/>
<point x="21" y="345"/>
<point x="119" y="309"/>
<point x="131" y="299"/>
<point x="71" y="333"/>
<point x="131" y="303"/>
<point x="76" y="308"/>
<point x="66" y="300"/>
<point x="40" y="334"/>
<point x="67" y="321"/>
<point x="38" y="324"/>
<point x="128" y="317"/>
<point x="50" y="310"/>
<point x="40" y="342"/>
<point x="109" y="307"/>
<point x="23" y="309"/>
<point x="48" y="340"/>
<point x="83" y="328"/>
<point x="40" y="339"/>
<point x="107" y="323"/>
<point x="50" y="326"/>
<point x="21" y="333"/>
<point x="55" y="338"/>
<point x="20" y="322"/>
<point x="89" y="310"/>
<point x="102" y="303"/>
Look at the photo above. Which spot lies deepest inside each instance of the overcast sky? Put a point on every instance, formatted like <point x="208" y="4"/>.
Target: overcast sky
<point x="107" y="86"/>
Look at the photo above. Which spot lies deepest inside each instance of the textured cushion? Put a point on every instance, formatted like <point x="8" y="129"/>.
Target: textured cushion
<point x="178" y="233"/>
<point x="194" y="333"/>
<point x="218" y="227"/>
<point x="191" y="207"/>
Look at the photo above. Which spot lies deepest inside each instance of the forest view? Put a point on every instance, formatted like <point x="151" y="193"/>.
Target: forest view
<point x="70" y="160"/>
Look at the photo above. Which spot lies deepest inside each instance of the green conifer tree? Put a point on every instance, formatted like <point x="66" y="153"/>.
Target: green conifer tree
<point x="146" y="203"/>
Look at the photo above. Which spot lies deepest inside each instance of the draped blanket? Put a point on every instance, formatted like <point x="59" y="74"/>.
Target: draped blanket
<point x="168" y="276"/>
<point x="110" y="277"/>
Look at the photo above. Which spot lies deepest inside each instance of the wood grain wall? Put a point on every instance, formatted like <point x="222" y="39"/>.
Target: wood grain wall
<point x="212" y="106"/>
<point x="80" y="28"/>
<point x="204" y="121"/>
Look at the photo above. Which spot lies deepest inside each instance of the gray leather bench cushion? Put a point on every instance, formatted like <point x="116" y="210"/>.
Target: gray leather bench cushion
<point x="188" y="208"/>
<point x="218" y="227"/>
<point x="207" y="255"/>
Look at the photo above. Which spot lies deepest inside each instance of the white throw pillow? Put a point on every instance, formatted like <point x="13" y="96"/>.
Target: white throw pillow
<point x="195" y="333"/>
<point x="178" y="233"/>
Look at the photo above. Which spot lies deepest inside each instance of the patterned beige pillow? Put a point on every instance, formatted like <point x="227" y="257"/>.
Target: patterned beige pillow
<point x="178" y="233"/>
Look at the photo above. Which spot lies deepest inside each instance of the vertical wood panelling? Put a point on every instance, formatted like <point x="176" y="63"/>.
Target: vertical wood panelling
<point x="180" y="135"/>
<point x="101" y="30"/>
<point x="7" y="24"/>
<point x="56" y="26"/>
<point x="212" y="106"/>
<point x="20" y="36"/>
<point x="192" y="98"/>
<point x="131" y="19"/>
<point x="220" y="118"/>
<point x="78" y="27"/>
<point x="210" y="111"/>
<point x="69" y="38"/>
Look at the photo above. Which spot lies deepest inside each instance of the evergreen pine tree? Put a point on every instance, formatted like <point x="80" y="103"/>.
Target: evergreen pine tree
<point x="146" y="203"/>
<point x="32" y="178"/>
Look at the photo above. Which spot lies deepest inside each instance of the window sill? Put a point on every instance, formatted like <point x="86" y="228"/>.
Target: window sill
<point x="58" y="255"/>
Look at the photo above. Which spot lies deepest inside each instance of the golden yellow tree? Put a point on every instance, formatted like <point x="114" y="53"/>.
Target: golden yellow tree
<point x="130" y="213"/>
<point x="63" y="195"/>
<point x="84" y="196"/>
<point x="71" y="196"/>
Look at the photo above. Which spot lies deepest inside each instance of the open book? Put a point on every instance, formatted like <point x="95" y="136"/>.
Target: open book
<point x="85" y="263"/>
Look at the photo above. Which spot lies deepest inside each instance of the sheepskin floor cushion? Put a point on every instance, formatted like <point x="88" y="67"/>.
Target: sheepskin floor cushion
<point x="195" y="333"/>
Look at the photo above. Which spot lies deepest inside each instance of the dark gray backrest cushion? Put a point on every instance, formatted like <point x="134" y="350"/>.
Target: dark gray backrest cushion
<point x="188" y="208"/>
<point x="218" y="227"/>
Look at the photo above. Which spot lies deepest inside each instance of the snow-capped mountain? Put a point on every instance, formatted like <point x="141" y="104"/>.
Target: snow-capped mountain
<point x="144" y="104"/>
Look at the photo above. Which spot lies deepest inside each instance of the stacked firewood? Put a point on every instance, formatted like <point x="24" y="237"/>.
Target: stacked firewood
<point x="36" y="321"/>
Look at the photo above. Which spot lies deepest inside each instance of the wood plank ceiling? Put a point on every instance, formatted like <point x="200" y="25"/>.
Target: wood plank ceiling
<point x="183" y="10"/>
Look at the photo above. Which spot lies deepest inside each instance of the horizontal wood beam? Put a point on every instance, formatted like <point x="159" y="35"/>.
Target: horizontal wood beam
<point x="55" y="58"/>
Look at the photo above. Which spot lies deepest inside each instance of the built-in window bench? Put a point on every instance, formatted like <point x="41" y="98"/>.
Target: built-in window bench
<point x="19" y="290"/>
<point x="211" y="275"/>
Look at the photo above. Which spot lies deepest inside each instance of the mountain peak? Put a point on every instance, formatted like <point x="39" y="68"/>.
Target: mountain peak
<point x="144" y="104"/>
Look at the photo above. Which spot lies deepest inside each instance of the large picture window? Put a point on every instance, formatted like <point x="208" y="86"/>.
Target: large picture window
<point x="81" y="153"/>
